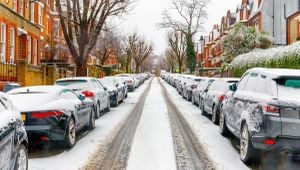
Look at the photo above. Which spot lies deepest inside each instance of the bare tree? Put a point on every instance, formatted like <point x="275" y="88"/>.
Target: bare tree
<point x="143" y="51"/>
<point x="82" y="22"/>
<point x="108" y="44"/>
<point x="170" y="60"/>
<point x="129" y="49"/>
<point x="189" y="20"/>
<point x="177" y="43"/>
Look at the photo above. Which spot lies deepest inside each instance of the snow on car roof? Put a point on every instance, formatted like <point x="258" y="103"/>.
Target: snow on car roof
<point x="276" y="72"/>
<point x="75" y="78"/>
<point x="46" y="89"/>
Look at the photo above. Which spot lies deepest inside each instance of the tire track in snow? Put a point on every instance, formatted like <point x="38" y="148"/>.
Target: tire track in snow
<point x="117" y="152"/>
<point x="188" y="151"/>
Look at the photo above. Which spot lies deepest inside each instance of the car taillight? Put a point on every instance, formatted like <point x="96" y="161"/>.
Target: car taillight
<point x="270" y="110"/>
<point x="88" y="93"/>
<point x="269" y="141"/>
<point x="221" y="97"/>
<point x="45" y="114"/>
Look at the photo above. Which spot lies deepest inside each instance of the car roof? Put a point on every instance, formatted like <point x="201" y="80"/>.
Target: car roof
<point x="48" y="89"/>
<point x="276" y="72"/>
<point x="76" y="78"/>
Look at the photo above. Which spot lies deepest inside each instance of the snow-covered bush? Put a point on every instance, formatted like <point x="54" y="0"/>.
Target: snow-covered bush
<point x="280" y="57"/>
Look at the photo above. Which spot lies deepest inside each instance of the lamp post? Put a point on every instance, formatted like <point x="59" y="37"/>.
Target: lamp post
<point x="202" y="42"/>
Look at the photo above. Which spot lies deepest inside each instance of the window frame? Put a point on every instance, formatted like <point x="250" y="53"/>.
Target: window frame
<point x="12" y="45"/>
<point x="3" y="42"/>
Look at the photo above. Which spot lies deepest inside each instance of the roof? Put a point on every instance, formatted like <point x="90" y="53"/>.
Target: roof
<point x="277" y="72"/>
<point x="47" y="89"/>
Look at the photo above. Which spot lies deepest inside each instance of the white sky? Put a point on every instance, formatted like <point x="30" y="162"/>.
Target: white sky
<point x="147" y="13"/>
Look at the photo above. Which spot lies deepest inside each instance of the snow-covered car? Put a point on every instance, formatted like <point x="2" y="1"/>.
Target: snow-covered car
<point x="53" y="113"/>
<point x="188" y="89"/>
<point x="5" y="86"/>
<point x="13" y="137"/>
<point x="214" y="96"/>
<point x="262" y="110"/>
<point x="115" y="94"/>
<point x="122" y="85"/>
<point x="91" y="88"/>
<point x="199" y="90"/>
<point x="130" y="81"/>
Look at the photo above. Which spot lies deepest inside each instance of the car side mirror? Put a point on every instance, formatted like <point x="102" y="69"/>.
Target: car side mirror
<point x="81" y="97"/>
<point x="117" y="85"/>
<point x="233" y="87"/>
<point x="105" y="88"/>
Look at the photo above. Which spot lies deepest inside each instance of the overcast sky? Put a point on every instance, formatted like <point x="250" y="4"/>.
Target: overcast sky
<point x="147" y="13"/>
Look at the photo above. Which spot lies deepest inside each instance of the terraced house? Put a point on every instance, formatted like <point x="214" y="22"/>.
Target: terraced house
<point x="279" y="18"/>
<point x="31" y="40"/>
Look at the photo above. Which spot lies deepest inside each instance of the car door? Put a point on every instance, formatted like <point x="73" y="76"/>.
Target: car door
<point x="230" y="108"/>
<point x="98" y="92"/>
<point x="104" y="95"/>
<point x="7" y="131"/>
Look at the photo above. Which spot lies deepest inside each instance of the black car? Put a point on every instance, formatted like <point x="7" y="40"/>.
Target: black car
<point x="262" y="110"/>
<point x="53" y="113"/>
<point x="214" y="96"/>
<point x="13" y="138"/>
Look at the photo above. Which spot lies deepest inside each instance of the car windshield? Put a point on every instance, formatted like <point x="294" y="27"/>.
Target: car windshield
<point x="288" y="88"/>
<point x="107" y="82"/>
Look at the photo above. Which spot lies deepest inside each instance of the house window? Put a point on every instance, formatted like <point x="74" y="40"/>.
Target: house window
<point x="40" y="12"/>
<point x="15" y="5"/>
<point x="29" y="50"/>
<point x="3" y="42"/>
<point x="47" y="24"/>
<point x="21" y="7"/>
<point x="56" y="28"/>
<point x="245" y="14"/>
<point x="32" y="12"/>
<point x="35" y="51"/>
<point x="12" y="45"/>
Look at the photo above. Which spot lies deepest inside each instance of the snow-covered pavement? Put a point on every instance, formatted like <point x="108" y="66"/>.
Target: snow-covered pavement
<point x="218" y="148"/>
<point x="78" y="156"/>
<point x="152" y="146"/>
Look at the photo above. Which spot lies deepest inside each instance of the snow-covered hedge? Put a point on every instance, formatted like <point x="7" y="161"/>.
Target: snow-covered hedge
<point x="279" y="57"/>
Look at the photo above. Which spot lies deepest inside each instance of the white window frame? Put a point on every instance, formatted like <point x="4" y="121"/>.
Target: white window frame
<point x="29" y="49"/>
<point x="35" y="51"/>
<point x="15" y="5"/>
<point x="56" y="28"/>
<point x="21" y="7"/>
<point x="40" y="13"/>
<point x="3" y="42"/>
<point x="32" y="12"/>
<point x="12" y="45"/>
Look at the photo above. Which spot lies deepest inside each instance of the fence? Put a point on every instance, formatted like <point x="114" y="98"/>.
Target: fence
<point x="8" y="72"/>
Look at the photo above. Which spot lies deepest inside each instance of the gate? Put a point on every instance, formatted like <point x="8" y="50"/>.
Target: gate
<point x="8" y="72"/>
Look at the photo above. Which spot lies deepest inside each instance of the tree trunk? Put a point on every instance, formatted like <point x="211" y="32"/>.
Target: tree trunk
<point x="137" y="68"/>
<point x="180" y="67"/>
<point x="190" y="53"/>
<point x="81" y="68"/>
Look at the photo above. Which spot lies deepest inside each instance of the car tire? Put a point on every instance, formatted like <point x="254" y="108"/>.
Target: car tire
<point x="108" y="106"/>
<point x="22" y="158"/>
<point x="215" y="115"/>
<point x="202" y="108"/>
<point x="193" y="100"/>
<point x="97" y="110"/>
<point x="92" y="120"/>
<point x="70" y="137"/>
<point x="222" y="124"/>
<point x="247" y="151"/>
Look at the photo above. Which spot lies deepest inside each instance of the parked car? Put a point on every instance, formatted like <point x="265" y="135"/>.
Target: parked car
<point x="122" y="85"/>
<point x="115" y="94"/>
<point x="214" y="96"/>
<point x="262" y="110"/>
<point x="91" y="88"/>
<point x="130" y="81"/>
<point x="53" y="113"/>
<point x="199" y="90"/>
<point x="5" y="86"/>
<point x="188" y="89"/>
<point x="13" y="137"/>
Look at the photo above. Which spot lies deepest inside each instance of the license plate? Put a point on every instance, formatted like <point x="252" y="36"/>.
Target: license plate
<point x="23" y="117"/>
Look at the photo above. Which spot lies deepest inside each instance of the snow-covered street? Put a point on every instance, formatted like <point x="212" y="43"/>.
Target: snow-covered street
<point x="153" y="129"/>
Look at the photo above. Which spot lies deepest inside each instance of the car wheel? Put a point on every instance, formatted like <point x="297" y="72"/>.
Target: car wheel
<point x="193" y="100"/>
<point x="202" y="108"/>
<point x="21" y="162"/>
<point x="97" y="110"/>
<point x="247" y="152"/>
<point x="214" y="117"/>
<point x="222" y="124"/>
<point x="92" y="120"/>
<point x="108" y="105"/>
<point x="71" y="133"/>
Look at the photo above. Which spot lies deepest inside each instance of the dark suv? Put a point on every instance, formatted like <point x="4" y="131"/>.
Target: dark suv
<point x="263" y="111"/>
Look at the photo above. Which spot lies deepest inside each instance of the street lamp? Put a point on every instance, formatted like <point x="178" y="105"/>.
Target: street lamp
<point x="202" y="42"/>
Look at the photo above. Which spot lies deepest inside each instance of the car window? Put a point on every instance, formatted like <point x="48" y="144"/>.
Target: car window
<point x="243" y="82"/>
<point x="95" y="84"/>
<point x="252" y="82"/>
<point x="68" y="94"/>
<point x="261" y="85"/>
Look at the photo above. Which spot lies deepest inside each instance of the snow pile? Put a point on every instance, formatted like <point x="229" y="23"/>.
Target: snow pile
<point x="277" y="55"/>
